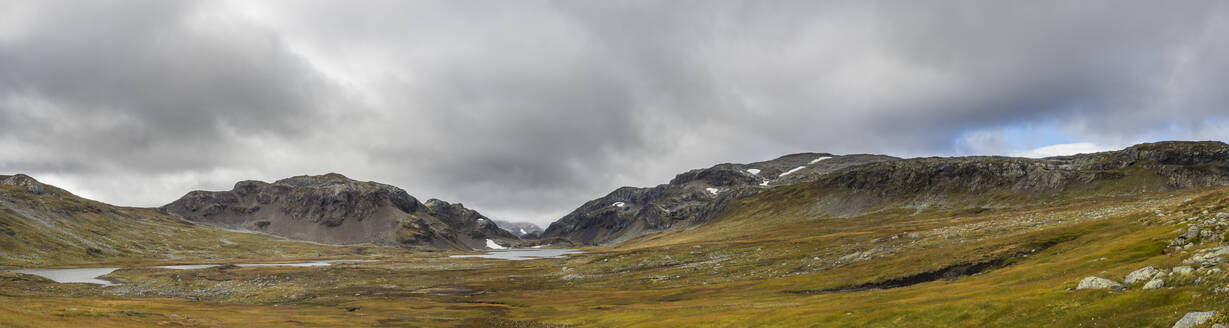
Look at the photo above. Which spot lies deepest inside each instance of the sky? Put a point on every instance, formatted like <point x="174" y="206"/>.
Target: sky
<point x="524" y="110"/>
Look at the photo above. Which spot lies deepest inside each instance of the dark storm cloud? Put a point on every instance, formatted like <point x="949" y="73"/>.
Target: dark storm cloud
<point x="526" y="109"/>
<point x="147" y="85"/>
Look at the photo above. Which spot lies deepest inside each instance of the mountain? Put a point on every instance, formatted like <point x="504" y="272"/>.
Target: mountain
<point x="690" y="199"/>
<point x="334" y="209"/>
<point x="42" y="225"/>
<point x="520" y="229"/>
<point x="840" y="186"/>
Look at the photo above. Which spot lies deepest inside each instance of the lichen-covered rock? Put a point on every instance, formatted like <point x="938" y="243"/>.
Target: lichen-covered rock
<point x="1182" y="270"/>
<point x="1209" y="256"/>
<point x="1154" y="284"/>
<point x="1141" y="275"/>
<point x="1193" y="319"/>
<point x="1098" y="283"/>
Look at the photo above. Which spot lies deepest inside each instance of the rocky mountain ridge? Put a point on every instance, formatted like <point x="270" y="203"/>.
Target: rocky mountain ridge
<point x="690" y="199"/>
<point x="42" y="225"/>
<point x="851" y="184"/>
<point x="334" y="209"/>
<point x="520" y="229"/>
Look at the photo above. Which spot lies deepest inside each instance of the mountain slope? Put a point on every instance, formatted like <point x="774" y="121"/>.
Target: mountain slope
<point x="691" y="198"/>
<point x="820" y="185"/>
<point x="333" y="209"/>
<point x="41" y="225"/>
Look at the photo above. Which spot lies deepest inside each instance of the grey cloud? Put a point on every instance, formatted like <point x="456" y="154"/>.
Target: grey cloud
<point x="524" y="110"/>
<point x="149" y="85"/>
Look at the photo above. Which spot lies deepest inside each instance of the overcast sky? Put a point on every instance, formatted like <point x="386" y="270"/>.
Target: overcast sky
<point x="526" y="109"/>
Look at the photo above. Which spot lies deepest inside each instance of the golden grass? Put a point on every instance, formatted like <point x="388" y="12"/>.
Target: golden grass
<point x="764" y="265"/>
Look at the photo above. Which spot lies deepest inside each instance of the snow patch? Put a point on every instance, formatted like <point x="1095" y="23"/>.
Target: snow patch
<point x="791" y="171"/>
<point x="714" y="191"/>
<point x="492" y="245"/>
<point x="765" y="183"/>
<point x="754" y="171"/>
<point x="818" y="159"/>
<point x="523" y="231"/>
<point x="618" y="204"/>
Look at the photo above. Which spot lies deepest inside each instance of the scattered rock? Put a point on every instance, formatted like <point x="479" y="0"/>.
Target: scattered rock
<point x="1141" y="275"/>
<point x="1098" y="283"/>
<point x="1192" y="319"/>
<point x="1154" y="284"/>
<point x="1183" y="270"/>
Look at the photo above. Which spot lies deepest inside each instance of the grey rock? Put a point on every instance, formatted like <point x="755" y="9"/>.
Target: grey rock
<point x="1193" y="319"/>
<point x="1154" y="284"/>
<point x="1141" y="275"/>
<point x="1182" y="270"/>
<point x="1098" y="283"/>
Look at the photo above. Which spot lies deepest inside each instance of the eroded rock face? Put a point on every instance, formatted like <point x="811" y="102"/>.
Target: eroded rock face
<point x="334" y="209"/>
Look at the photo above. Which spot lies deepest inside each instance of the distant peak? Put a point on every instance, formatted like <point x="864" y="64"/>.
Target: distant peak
<point x="22" y="180"/>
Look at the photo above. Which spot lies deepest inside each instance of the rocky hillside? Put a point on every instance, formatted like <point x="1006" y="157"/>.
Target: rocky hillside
<point x="835" y="186"/>
<point x="691" y="198"/>
<point x="41" y="225"/>
<point x="333" y="209"/>
<point x="520" y="229"/>
<point x="995" y="181"/>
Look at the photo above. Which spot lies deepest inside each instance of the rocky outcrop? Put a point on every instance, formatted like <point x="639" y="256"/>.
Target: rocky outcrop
<point x="520" y="229"/>
<point x="1154" y="284"/>
<point x="333" y="209"/>
<point x="1155" y="166"/>
<point x="24" y="181"/>
<point x="1194" y="319"/>
<point x="691" y="198"/>
<point x="1141" y="275"/>
<point x="1098" y="283"/>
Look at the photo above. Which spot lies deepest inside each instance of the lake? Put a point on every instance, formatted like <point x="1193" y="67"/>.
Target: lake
<point x="90" y="275"/>
<point x="523" y="254"/>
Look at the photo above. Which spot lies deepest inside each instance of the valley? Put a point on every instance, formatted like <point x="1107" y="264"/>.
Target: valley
<point x="959" y="242"/>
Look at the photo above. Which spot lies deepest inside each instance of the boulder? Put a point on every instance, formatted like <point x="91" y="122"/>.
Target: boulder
<point x="1098" y="283"/>
<point x="1141" y="275"/>
<point x="1154" y="284"/>
<point x="1192" y="319"/>
<point x="1183" y="270"/>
